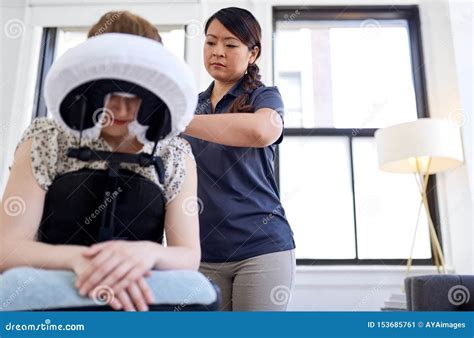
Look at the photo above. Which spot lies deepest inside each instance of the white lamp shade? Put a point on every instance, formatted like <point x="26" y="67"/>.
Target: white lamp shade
<point x="401" y="146"/>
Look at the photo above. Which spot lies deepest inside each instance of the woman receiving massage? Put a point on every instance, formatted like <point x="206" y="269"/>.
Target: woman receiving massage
<point x="118" y="127"/>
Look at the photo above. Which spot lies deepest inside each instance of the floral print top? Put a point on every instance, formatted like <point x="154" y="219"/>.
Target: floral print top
<point x="50" y="143"/>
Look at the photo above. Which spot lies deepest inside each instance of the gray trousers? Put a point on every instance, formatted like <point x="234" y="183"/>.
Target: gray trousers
<point x="261" y="283"/>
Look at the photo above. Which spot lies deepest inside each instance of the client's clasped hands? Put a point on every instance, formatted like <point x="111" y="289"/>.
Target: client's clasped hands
<point x="120" y="266"/>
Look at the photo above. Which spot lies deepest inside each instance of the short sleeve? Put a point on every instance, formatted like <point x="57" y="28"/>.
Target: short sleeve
<point x="44" y="150"/>
<point x="269" y="97"/>
<point x="174" y="159"/>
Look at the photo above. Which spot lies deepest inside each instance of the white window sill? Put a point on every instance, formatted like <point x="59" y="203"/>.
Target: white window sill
<point x="368" y="268"/>
<point x="362" y="275"/>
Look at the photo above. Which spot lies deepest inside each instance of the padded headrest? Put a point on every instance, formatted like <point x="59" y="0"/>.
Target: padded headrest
<point x="79" y="82"/>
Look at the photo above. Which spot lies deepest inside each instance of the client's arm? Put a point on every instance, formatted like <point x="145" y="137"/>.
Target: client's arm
<point x="20" y="216"/>
<point x="183" y="250"/>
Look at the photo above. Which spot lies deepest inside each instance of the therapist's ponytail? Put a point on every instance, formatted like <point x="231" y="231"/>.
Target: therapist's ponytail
<point x="246" y="28"/>
<point x="250" y="82"/>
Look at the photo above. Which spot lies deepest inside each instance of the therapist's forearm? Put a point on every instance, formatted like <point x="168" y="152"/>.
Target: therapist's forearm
<point x="232" y="129"/>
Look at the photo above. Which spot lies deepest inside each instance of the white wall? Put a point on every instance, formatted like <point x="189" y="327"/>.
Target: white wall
<point x="462" y="32"/>
<point x="447" y="43"/>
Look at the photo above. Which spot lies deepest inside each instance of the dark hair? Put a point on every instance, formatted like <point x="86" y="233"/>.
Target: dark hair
<point x="124" y="22"/>
<point x="246" y="28"/>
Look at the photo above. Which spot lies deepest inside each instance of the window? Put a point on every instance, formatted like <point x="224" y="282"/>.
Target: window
<point x="56" y="41"/>
<point x="290" y="84"/>
<point x="343" y="73"/>
<point x="172" y="37"/>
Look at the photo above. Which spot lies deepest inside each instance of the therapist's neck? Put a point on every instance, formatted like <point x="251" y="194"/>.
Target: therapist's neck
<point x="221" y="88"/>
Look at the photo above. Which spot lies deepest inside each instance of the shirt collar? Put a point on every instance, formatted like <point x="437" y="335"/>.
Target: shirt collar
<point x="207" y="93"/>
<point x="236" y="90"/>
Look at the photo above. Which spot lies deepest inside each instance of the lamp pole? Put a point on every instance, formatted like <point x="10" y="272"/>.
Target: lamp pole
<point x="422" y="180"/>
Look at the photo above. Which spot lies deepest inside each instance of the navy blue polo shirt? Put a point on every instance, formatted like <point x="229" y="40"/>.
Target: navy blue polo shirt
<point x="241" y="214"/>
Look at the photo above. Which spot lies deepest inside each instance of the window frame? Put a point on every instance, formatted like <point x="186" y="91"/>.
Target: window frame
<point x="48" y="46"/>
<point x="410" y="13"/>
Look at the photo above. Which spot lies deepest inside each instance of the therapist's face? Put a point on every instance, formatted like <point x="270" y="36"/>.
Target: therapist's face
<point x="226" y="57"/>
<point x="119" y="112"/>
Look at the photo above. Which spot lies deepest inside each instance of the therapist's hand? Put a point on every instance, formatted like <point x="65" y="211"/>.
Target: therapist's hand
<point x="117" y="264"/>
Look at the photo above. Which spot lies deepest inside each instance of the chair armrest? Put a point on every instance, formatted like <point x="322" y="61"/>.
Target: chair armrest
<point x="26" y="288"/>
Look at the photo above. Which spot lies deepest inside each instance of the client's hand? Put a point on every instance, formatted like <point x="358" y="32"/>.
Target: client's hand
<point x="121" y="265"/>
<point x="135" y="297"/>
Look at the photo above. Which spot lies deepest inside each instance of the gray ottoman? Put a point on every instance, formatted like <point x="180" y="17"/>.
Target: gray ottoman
<point x="440" y="293"/>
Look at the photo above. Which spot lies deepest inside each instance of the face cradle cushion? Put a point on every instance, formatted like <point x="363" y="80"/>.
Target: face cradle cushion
<point x="80" y="80"/>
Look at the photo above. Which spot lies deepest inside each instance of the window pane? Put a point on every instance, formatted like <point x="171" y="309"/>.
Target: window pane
<point x="387" y="207"/>
<point x="317" y="195"/>
<point x="290" y="83"/>
<point x="172" y="37"/>
<point x="354" y="74"/>
<point x="67" y="39"/>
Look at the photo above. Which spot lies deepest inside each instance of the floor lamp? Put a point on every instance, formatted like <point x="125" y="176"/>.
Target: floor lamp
<point x="422" y="147"/>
